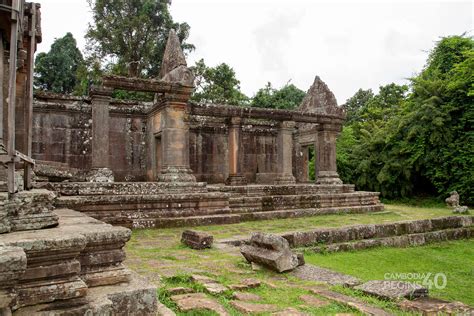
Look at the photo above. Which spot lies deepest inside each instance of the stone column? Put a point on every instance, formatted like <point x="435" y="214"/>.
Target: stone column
<point x="285" y="153"/>
<point x="326" y="168"/>
<point x="175" y="141"/>
<point x="100" y="101"/>
<point x="235" y="176"/>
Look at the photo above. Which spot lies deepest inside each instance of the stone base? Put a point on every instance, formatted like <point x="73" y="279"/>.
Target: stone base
<point x="73" y="269"/>
<point x="285" y="179"/>
<point x="176" y="174"/>
<point x="236" y="180"/>
<point x="135" y="297"/>
<point x="100" y="175"/>
<point x="328" y="177"/>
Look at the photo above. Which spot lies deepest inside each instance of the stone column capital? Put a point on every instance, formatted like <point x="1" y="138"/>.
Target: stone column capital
<point x="100" y="92"/>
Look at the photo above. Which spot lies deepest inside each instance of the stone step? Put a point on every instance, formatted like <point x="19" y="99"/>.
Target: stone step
<point x="263" y="203"/>
<point x="125" y="188"/>
<point x="291" y="189"/>
<point x="399" y="241"/>
<point x="371" y="231"/>
<point x="241" y="217"/>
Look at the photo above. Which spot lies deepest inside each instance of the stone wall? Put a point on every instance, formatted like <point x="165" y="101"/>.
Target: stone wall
<point x="62" y="133"/>
<point x="209" y="154"/>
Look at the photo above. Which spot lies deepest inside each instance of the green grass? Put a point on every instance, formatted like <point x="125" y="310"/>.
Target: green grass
<point x="159" y="255"/>
<point x="454" y="258"/>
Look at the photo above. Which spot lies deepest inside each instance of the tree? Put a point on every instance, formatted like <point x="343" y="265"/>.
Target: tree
<point x="417" y="139"/>
<point x="287" y="97"/>
<point x="132" y="34"/>
<point x="356" y="103"/>
<point x="61" y="68"/>
<point x="217" y="85"/>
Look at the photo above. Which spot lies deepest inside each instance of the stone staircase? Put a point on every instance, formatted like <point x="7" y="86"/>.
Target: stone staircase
<point x="158" y="204"/>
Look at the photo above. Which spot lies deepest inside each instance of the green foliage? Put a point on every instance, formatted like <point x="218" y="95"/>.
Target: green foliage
<point x="61" y="69"/>
<point x="356" y="103"/>
<point x="132" y="35"/>
<point x="288" y="97"/>
<point x="217" y="85"/>
<point x="402" y="143"/>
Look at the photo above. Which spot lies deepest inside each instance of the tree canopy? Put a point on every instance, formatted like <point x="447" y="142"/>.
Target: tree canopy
<point x="287" y="97"/>
<point x="60" y="69"/>
<point x="416" y="139"/>
<point x="132" y="34"/>
<point x="217" y="85"/>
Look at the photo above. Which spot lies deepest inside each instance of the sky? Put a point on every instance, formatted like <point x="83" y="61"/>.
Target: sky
<point x="348" y="44"/>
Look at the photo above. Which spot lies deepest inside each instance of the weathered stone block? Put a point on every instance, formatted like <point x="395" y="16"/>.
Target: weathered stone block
<point x="196" y="240"/>
<point x="393" y="290"/>
<point x="29" y="210"/>
<point x="271" y="251"/>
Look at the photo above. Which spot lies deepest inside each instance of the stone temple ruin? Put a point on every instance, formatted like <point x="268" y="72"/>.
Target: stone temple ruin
<point x="172" y="162"/>
<point x="75" y="165"/>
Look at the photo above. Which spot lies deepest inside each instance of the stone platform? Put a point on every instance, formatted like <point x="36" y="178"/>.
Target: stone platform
<point x="156" y="204"/>
<point x="74" y="268"/>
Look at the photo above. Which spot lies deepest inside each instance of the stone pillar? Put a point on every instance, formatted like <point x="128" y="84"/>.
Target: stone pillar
<point x="175" y="141"/>
<point x="100" y="101"/>
<point x="235" y="176"/>
<point x="285" y="153"/>
<point x="326" y="168"/>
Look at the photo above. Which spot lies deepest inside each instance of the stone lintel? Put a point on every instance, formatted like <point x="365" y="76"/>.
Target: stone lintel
<point x="220" y="110"/>
<point x="146" y="85"/>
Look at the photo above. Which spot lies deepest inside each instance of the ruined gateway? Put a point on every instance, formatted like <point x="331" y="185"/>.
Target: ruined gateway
<point x="73" y="163"/>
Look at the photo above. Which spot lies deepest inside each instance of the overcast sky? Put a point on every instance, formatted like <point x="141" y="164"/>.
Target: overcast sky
<point x="349" y="44"/>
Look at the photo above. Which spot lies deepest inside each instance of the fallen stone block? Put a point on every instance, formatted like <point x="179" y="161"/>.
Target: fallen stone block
<point x="211" y="285"/>
<point x="314" y="301"/>
<point x="310" y="272"/>
<point x="461" y="210"/>
<point x="433" y="306"/>
<point x="196" y="240"/>
<point x="351" y="302"/>
<point x="246" y="284"/>
<point x="393" y="289"/>
<point x="180" y="290"/>
<point x="242" y="296"/>
<point x="271" y="251"/>
<point x="189" y="302"/>
<point x="253" y="308"/>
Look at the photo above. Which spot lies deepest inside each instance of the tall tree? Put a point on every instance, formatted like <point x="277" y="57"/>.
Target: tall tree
<point x="132" y="34"/>
<point x="287" y="97"/>
<point x="59" y="69"/>
<point x="217" y="85"/>
<point x="417" y="140"/>
<point x="356" y="103"/>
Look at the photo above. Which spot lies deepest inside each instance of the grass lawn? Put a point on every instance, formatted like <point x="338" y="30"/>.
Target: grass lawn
<point x="158" y="255"/>
<point x="453" y="258"/>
